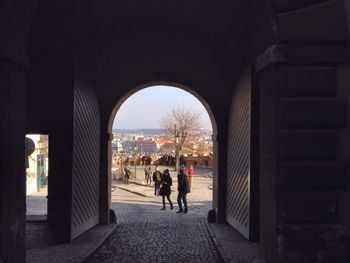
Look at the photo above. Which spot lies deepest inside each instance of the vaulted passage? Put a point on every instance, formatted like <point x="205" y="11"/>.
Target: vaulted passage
<point x="274" y="75"/>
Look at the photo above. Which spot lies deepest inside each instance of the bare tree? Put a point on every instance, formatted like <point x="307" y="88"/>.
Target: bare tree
<point x="182" y="124"/>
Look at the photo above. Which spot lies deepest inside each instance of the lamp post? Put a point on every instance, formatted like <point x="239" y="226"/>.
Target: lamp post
<point x="135" y="150"/>
<point x="40" y="165"/>
<point x="177" y="140"/>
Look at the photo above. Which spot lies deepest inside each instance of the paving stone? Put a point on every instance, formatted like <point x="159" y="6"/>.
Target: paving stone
<point x="36" y="203"/>
<point x="147" y="234"/>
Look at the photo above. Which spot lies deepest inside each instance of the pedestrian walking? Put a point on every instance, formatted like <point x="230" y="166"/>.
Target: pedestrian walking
<point x="183" y="189"/>
<point x="146" y="171"/>
<point x="127" y="174"/>
<point x="148" y="174"/>
<point x="165" y="190"/>
<point x="157" y="179"/>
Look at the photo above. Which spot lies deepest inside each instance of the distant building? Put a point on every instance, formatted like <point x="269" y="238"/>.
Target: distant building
<point x="146" y="146"/>
<point x="163" y="141"/>
<point x="117" y="146"/>
<point x="167" y="148"/>
<point x="128" y="146"/>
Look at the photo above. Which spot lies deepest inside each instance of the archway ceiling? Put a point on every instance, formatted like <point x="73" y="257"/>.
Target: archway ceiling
<point x="218" y="17"/>
<point x="209" y="39"/>
<point x="74" y="23"/>
<point x="135" y="41"/>
<point x="221" y="28"/>
<point x="137" y="53"/>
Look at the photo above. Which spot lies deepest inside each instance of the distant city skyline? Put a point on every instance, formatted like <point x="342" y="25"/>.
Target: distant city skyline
<point x="144" y="109"/>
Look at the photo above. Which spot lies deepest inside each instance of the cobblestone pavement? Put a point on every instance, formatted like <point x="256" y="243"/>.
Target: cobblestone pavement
<point x="147" y="234"/>
<point x="37" y="202"/>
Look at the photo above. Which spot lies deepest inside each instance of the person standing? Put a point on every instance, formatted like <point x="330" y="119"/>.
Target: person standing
<point x="146" y="171"/>
<point x="183" y="189"/>
<point x="165" y="190"/>
<point x="148" y="175"/>
<point x="127" y="173"/>
<point x="190" y="173"/>
<point x="157" y="179"/>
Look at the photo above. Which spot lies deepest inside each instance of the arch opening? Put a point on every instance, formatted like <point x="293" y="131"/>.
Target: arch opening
<point x="204" y="164"/>
<point x="37" y="173"/>
<point x="168" y="84"/>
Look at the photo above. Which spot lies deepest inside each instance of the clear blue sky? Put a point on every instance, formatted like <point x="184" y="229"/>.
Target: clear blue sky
<point x="145" y="108"/>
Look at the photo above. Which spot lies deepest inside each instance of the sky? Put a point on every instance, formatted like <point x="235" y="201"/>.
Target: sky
<point x="145" y="108"/>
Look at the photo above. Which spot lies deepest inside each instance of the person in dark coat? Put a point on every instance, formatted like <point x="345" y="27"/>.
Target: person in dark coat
<point x="165" y="190"/>
<point x="183" y="188"/>
<point x="127" y="173"/>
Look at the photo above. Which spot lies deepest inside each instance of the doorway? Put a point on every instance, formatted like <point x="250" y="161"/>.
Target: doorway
<point x="37" y="167"/>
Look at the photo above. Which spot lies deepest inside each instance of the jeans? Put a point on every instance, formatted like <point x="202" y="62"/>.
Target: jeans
<point x="150" y="180"/>
<point x="183" y="197"/>
<point x="156" y="188"/>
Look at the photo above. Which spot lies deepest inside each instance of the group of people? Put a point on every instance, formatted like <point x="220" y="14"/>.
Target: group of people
<point x="162" y="187"/>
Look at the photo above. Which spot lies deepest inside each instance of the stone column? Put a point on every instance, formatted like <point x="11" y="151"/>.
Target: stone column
<point x="105" y="175"/>
<point x="301" y="115"/>
<point x="12" y="161"/>
<point x="300" y="171"/>
<point x="219" y="181"/>
<point x="16" y="17"/>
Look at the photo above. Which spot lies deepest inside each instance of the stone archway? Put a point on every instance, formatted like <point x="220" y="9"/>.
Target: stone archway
<point x="320" y="37"/>
<point x="192" y="92"/>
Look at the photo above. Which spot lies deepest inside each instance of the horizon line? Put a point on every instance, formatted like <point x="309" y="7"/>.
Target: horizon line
<point x="148" y="128"/>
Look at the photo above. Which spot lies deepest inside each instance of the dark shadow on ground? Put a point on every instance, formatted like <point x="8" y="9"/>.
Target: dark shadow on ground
<point x="147" y="234"/>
